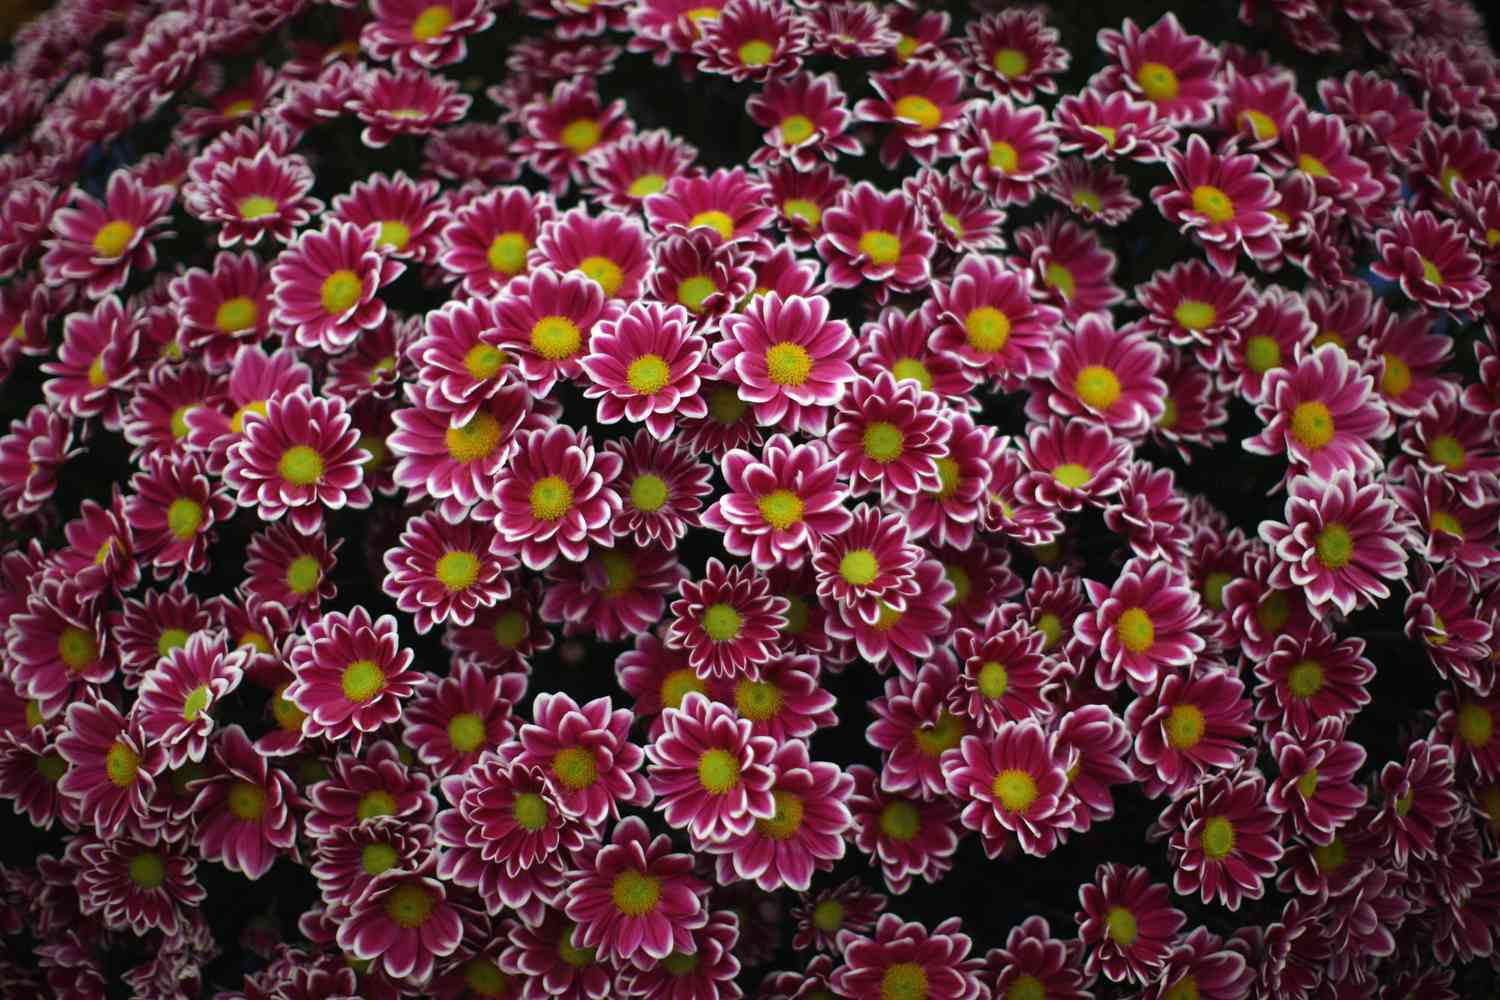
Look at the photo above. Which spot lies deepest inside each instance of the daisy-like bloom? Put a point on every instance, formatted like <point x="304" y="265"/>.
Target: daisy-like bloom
<point x="711" y="774"/>
<point x="1405" y="356"/>
<point x="1114" y="125"/>
<point x="868" y="567"/>
<point x="290" y="569"/>
<point x="112" y="766"/>
<point x="1309" y="677"/>
<point x="779" y="506"/>
<point x="1452" y="442"/>
<point x="262" y="193"/>
<point x="1098" y="742"/>
<point x="172" y="511"/>
<point x="788" y="359"/>
<point x="785" y="703"/>
<point x="489" y="240"/>
<point x="97" y="243"/>
<point x="1223" y="201"/>
<point x="545" y="319"/>
<point x="1070" y="267"/>
<point x="611" y="250"/>
<point x="544" y="960"/>
<point x="661" y="486"/>
<point x="586" y="753"/>
<point x="1419" y="800"/>
<point x="1191" y="725"/>
<point x="806" y="119"/>
<point x="1013" y="783"/>
<point x="1192" y="304"/>
<point x="1324" y="414"/>
<point x="707" y="973"/>
<point x="222" y="309"/>
<point x="96" y="363"/>
<point x="910" y="835"/>
<point x="564" y="126"/>
<point x="1319" y="146"/>
<point x="728" y="622"/>
<point x="643" y="365"/>
<point x="1458" y="636"/>
<point x="801" y="197"/>
<point x="404" y="209"/>
<point x="416" y="33"/>
<point x="176" y="695"/>
<point x="244" y="807"/>
<point x="57" y="643"/>
<point x="903" y="634"/>
<point x="752" y="40"/>
<point x="1432" y="259"/>
<point x="403" y="923"/>
<point x="1315" y="790"/>
<point x="922" y="100"/>
<point x="827" y="919"/>
<point x="1071" y="463"/>
<point x="450" y="721"/>
<point x="657" y="677"/>
<point x="460" y="363"/>
<point x="406" y="102"/>
<point x="326" y="284"/>
<point x="458" y="464"/>
<point x="1126" y="924"/>
<point x="1456" y="534"/>
<point x="301" y="457"/>
<point x="632" y="898"/>
<point x="907" y="960"/>
<point x="700" y="272"/>
<point x="1014" y="53"/>
<point x="555" y="498"/>
<point x="503" y="637"/>
<point x="348" y="859"/>
<point x="1227" y="842"/>
<point x="1034" y="963"/>
<point x="1340" y="544"/>
<point x="1002" y="674"/>
<point x="359" y="788"/>
<point x="962" y="218"/>
<point x="625" y="173"/>
<point x="878" y="238"/>
<point x="1145" y="623"/>
<point x="443" y="572"/>
<point x="30" y="768"/>
<point x="1094" y="191"/>
<point x="948" y="515"/>
<point x="729" y="204"/>
<point x="889" y="435"/>
<point x="1203" y="964"/>
<point x="614" y="593"/>
<point x="987" y="318"/>
<point x="351" y="674"/>
<point x="1259" y="107"/>
<point x="1165" y="65"/>
<point x="137" y="885"/>
<point x="1104" y="375"/>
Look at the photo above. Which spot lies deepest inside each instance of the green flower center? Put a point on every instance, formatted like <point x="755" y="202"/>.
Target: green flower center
<point x="530" y="811"/>
<point x="148" y="870"/>
<point x="551" y="498"/>
<point x="197" y="701"/>
<point x="1335" y="546"/>
<point x="121" y="765"/>
<point x="300" y="465"/>
<point x="718" y="771"/>
<point x="466" y="732"/>
<point x="859" y="567"/>
<point x="1137" y="632"/>
<point x="648" y="374"/>
<point x="362" y="680"/>
<point x="1014" y="789"/>
<point x="904" y="981"/>
<point x="507" y="253"/>
<point x="993" y="679"/>
<point x="575" y="767"/>
<point x="722" y="622"/>
<point x="1218" y="837"/>
<point x="635" y="894"/>
<point x="409" y="905"/>
<point x="457" y="570"/>
<point x="900" y="821"/>
<point x="341" y="291"/>
<point x="884" y="442"/>
<point x="183" y="518"/>
<point x="376" y="859"/>
<point x="1120" y="926"/>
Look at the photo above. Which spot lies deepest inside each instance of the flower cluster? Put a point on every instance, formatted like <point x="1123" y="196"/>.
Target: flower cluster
<point x="552" y="557"/>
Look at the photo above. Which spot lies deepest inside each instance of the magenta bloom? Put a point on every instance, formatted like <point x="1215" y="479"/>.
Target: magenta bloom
<point x="889" y="435"/>
<point x="172" y="510"/>
<point x="489" y="239"/>
<point x="457" y="464"/>
<point x="611" y="250"/>
<point x="1072" y="463"/>
<point x="728" y="622"/>
<point x="922" y="99"/>
<point x="1113" y="125"/>
<point x="406" y="102"/>
<point x="112" y="766"/>
<point x="244" y="807"/>
<point x="1432" y="259"/>
<point x="1223" y="200"/>
<point x="906" y="959"/>
<point x="97" y="362"/>
<point x="1314" y="789"/>
<point x="1033" y="959"/>
<point x="97" y="244"/>
<point x="1311" y="676"/>
<point x="1014" y="52"/>
<point x="1227" y="842"/>
<point x="1191" y="303"/>
<point x="869" y="566"/>
<point x="326" y="283"/>
<point x="868" y="236"/>
<point x="58" y="643"/>
<point x="780" y="505"/>
<point x="137" y="886"/>
<point x="986" y="318"/>
<point x="346" y="860"/>
<point x="302" y="456"/>
<point x="1002" y="673"/>
<point x="788" y="359"/>
<point x="1106" y="375"/>
<point x="555" y="498"/>
<point x="1324" y="414"/>
<point x="1126" y="923"/>
<point x="1339" y="545"/>
<point x="632" y="898"/>
<point x="806" y="119"/>
<point x="1143" y="625"/>
<point x="1419" y="799"/>
<point x="908" y="834"/>
<point x="176" y="695"/>
<point x="374" y="784"/>
<point x="1191" y="725"/>
<point x="707" y="973"/>
<point x="403" y="923"/>
<point x="711" y="775"/>
<point x="545" y="318"/>
<point x="586" y="754"/>
<point x="1011" y="781"/>
<point x="1204" y="963"/>
<point x="416" y="33"/>
<point x="644" y="365"/>
<point x="452" y="720"/>
<point x="222" y="309"/>
<point x="1172" y="69"/>
<point x="248" y="197"/>
<point x="351" y="674"/>
<point x="443" y="572"/>
<point x="731" y="205"/>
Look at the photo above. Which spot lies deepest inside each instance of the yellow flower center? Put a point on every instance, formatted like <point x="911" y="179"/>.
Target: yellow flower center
<point x="1026" y="987"/>
<point x="987" y="329"/>
<point x="183" y="518"/>
<point x="113" y="237"/>
<point x="1059" y="277"/>
<point x="1312" y="166"/>
<point x="944" y="734"/>
<point x="1335" y="546"/>
<point x="574" y="956"/>
<point x="98" y="377"/>
<point x="911" y="368"/>
<point x="828" y="916"/>
<point x="1305" y="679"/>
<point x="362" y="680"/>
<point x="457" y="570"/>
<point x="804" y="210"/>
<point x="1009" y="63"/>
<point x="647" y="184"/>
<point x="718" y="221"/>
<point x="377" y="859"/>
<point x="900" y="821"/>
<point x="551" y="498"/>
<point x="394" y="234"/>
<point x="1475" y="725"/>
<point x="1004" y="157"/>
<point x="257" y="207"/>
<point x="1307" y="785"/>
<point x="1185" y="726"/>
<point x="787" y="820"/>
<point x="287" y="715"/>
<point x="121" y="765"/>
<point x="1330" y="857"/>
<point x="788" y="363"/>
<point x="507" y="253"/>
<point x="948" y="476"/>
<point x="1312" y="424"/>
<point x="915" y="108"/>
<point x="1119" y="924"/>
<point x="300" y="465"/>
<point x="466" y="732"/>
<point x="236" y="314"/>
<point x="756" y="52"/>
<point x="476" y="439"/>
<point x="649" y="492"/>
<point x="859" y="567"/>
<point x="581" y="135"/>
<point x="993" y="679"/>
<point x="431" y="22"/>
<point x="1137" y="632"/>
<point x="1262" y="354"/>
<point x="1192" y="314"/>
<point x="1447" y="523"/>
<point x="575" y="767"/>
<point x="722" y="622"/>
<point x="556" y="338"/>
<point x="1218" y="837"/>
<point x="882" y="247"/>
<point x="341" y="291"/>
<point x="1087" y="200"/>
<point x="884" y="442"/>
<point x="1430" y="273"/>
<point x="530" y="811"/>
<point x="648" y="374"/>
<point x="1397" y="377"/>
<point x="1014" y="789"/>
<point x="1185" y="988"/>
<point x="246" y="801"/>
<point x="619" y="573"/>
<point x="1097" y="386"/>
<point x="148" y="870"/>
<point x="725" y="405"/>
<point x="1447" y="452"/>
<point x="1212" y="202"/>
<point x="170" y="639"/>
<point x="77" y="648"/>
<point x="796" y="129"/>
<point x="904" y="981"/>
<point x="678" y="684"/>
<point x="694" y="292"/>
<point x="635" y="894"/>
<point x="196" y="702"/>
<point x="409" y="905"/>
<point x="757" y="701"/>
<point x="1157" y="81"/>
<point x="376" y="803"/>
<point x="1260" y="124"/>
<point x="781" y="509"/>
<point x="1071" y="475"/>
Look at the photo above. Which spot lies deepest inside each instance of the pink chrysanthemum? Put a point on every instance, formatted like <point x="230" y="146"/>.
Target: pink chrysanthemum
<point x="97" y="243"/>
<point x="138" y="886"/>
<point x="1071" y="463"/>
<point x="489" y="240"/>
<point x="346" y="860"/>
<point x="1069" y="265"/>
<point x="351" y="674"/>
<point x="1115" y="125"/>
<point x="1340" y="543"/>
<point x="703" y="274"/>
<point x="417" y="33"/>
<point x="632" y="898"/>
<point x="405" y="211"/>
<point x="406" y="102"/>
<point x="1193" y="724"/>
<point x="458" y="464"/>
<point x="644" y="365"/>
<point x="922" y="100"/>
<point x="222" y="309"/>
<point x="57" y="643"/>
<point x="869" y="566"/>
<point x="1314" y="790"/>
<point x="555" y="497"/>
<point x="1126" y="924"/>
<point x="290" y="569"/>
<point x="614" y="593"/>
<point x="787" y="701"/>
<point x="403" y="923"/>
<point x="1434" y="262"/>
<point x="611" y="249"/>
<point x="172" y="511"/>
<point x="1223" y="201"/>
<point x="451" y="720"/>
<point x="1419" y="799"/>
<point x="1448" y="440"/>
<point x="1094" y="191"/>
<point x="878" y="238"/>
<point x="262" y="193"/>
<point x="441" y="572"/>
<point x="661" y="486"/>
<point x="780" y="505"/>
<point x="1002" y="675"/>
<point x="1172" y="69"/>
<point x="1405" y="356"/>
<point x="1205" y="964"/>
<point x="1226" y="844"/>
<point x="711" y="775"/>
<point x="906" y="959"/>
<point x="1014" y="53"/>
<point x="1012" y="782"/>
<point x="176" y="695"/>
<point x="728" y="622"/>
<point x="1145" y="623"/>
<point x="1099" y="743"/>
<point x="806" y="119"/>
<point x="889" y="435"/>
<point x="565" y="125"/>
<point x="789" y="359"/>
<point x="625" y="173"/>
<point x="1104" y="375"/>
<point x="326" y="283"/>
<point x="707" y="973"/>
<point x="244" y="807"/>
<point x="1324" y="414"/>
<point x="112" y="767"/>
<point x="1033" y="960"/>
<point x="752" y="40"/>
<point x="731" y="205"/>
<point x="587" y="755"/>
<point x="460" y="364"/>
<point x="1310" y="677"/>
<point x="1190" y="303"/>
<point x="374" y="784"/>
<point x="987" y="318"/>
<point x="905" y="634"/>
<point x="909" y="835"/>
<point x="96" y="364"/>
<point x="546" y="319"/>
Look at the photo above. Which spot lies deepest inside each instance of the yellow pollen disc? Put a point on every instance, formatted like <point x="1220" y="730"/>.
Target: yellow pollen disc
<point x="474" y="440"/>
<point x="1397" y="376"/>
<point x="828" y="916"/>
<point x="466" y="732"/>
<point x="183" y="518"/>
<point x="303" y="574"/>
<point x="300" y="465"/>
<point x="1475" y="725"/>
<point x="1305" y="679"/>
<point x="756" y="52"/>
<point x="376" y="859"/>
<point x="796" y="129"/>
<point x="457" y="570"/>
<point x="581" y="136"/>
<point x="1185" y="988"/>
<point x="1072" y="475"/>
<point x="376" y="803"/>
<point x="484" y="362"/>
<point x="509" y="629"/>
<point x="1262" y="354"/>
<point x="556" y="338"/>
<point x="551" y="498"/>
<point x="1108" y="134"/>
<point x="431" y="22"/>
<point x="722" y="622"/>
<point x="237" y="422"/>
<point x="788" y="363"/>
<point x="757" y="701"/>
<point x="1260" y="124"/>
<point x="394" y="234"/>
<point x="578" y="958"/>
<point x="1335" y="547"/>
<point x="531" y="811"/>
<point x="678" y="684"/>
<point x="1312" y="166"/>
<point x="362" y="680"/>
<point x="147" y="870"/>
<point x="719" y="222"/>
<point x="575" y="767"/>
<point x="1446" y="451"/>
<point x="1312" y="424"/>
<point x="341" y="291"/>
<point x="1014" y="789"/>
<point x="649" y="492"/>
<point x="236" y="314"/>
<point x="170" y="639"/>
<point x="987" y="329"/>
<point x="1330" y="857"/>
<point x="1217" y="837"/>
<point x="1003" y="157"/>
<point x="257" y="207"/>
<point x="804" y="211"/>
<point x="797" y="615"/>
<point x="700" y="14"/>
<point x="1445" y="522"/>
<point x="915" y="108"/>
<point x="1307" y="785"/>
<point x="1098" y="387"/>
<point x="781" y="509"/>
<point x="906" y="48"/>
<point x="904" y="981"/>
<point x="648" y="374"/>
<point x="1009" y="63"/>
<point x="859" y="567"/>
<point x="949" y="477"/>
<point x="1051" y="627"/>
<point x="619" y="573"/>
<point x="113" y="238"/>
<point x="1430" y="273"/>
<point x="945" y="734"/>
<point x="993" y="679"/>
<point x="900" y="821"/>
<point x="1087" y="200"/>
<point x="1185" y="726"/>
<point x="1120" y="925"/>
<point x="1492" y="237"/>
<point x="1213" y="589"/>
<point x="246" y="801"/>
<point x="694" y="292"/>
<point x="635" y="894"/>
<point x="884" y="442"/>
<point x="1213" y="203"/>
<point x="916" y="371"/>
<point x="77" y="648"/>
<point x="1157" y="81"/>
<point x="647" y="184"/>
<point x="787" y="820"/>
<point x="1194" y="315"/>
<point x="1170" y="414"/>
<point x="507" y="253"/>
<point x="954" y="223"/>
<point x="606" y="272"/>
<point x="239" y="109"/>
<point x="98" y="377"/>
<point x="286" y="713"/>
<point x="1026" y="987"/>
<point x="409" y="905"/>
<point x="1137" y="633"/>
<point x="883" y="248"/>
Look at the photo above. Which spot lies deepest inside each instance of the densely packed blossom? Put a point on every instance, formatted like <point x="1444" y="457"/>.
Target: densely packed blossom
<point x="708" y="499"/>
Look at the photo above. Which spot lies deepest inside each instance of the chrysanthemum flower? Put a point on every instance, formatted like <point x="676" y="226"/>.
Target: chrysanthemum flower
<point x="1455" y="533"/>
<point x="351" y="674"/>
<point x="1014" y="53"/>
<point x="442" y="572"/>
<point x="728" y="622"/>
<point x="1172" y="69"/>
<point x="1323" y="414"/>
<point x="1013" y="782"/>
<point x="786" y="702"/>
<point x="922" y="100"/>
<point x="564" y="126"/>
<point x="250" y="197"/>
<point x="1093" y="191"/>
<point x="415" y="33"/>
<point x="806" y="119"/>
<point x="172" y="511"/>
<point x="1033" y="960"/>
<point x="1227" y="841"/>
<point x="112" y="768"/>
<point x="788" y="359"/>
<point x="374" y="784"/>
<point x="178" y="692"/>
<point x="1319" y="146"/>
<point x="986" y="317"/>
<point x="889" y="435"/>
<point x="545" y="319"/>
<point x="245" y="807"/>
<point x="1419" y="799"/>
<point x="908" y="960"/>
<point x="1146" y="622"/>
<point x="301" y="457"/>
<point x="633" y="899"/>
<point x="326" y="283"/>
<point x="405" y="211"/>
<point x="138" y="886"/>
<point x="1114" y="125"/>
<point x="1223" y="201"/>
<point x="450" y="721"/>
<point x="801" y="198"/>
<point x="1002" y="675"/>
<point x="949" y="514"/>
<point x="710" y="773"/>
<point x="728" y="204"/>
<point x="625" y="173"/>
<point x="703" y="274"/>
<point x="32" y="451"/>
<point x="962" y="218"/>
<point x="868" y="567"/>
<point x="1314" y="790"/>
<point x="1203" y="963"/>
<point x="1071" y="463"/>
<point x="707" y="973"/>
<point x="1312" y="677"/>
<point x="349" y="858"/>
<point x="752" y="40"/>
<point x="458" y="464"/>
<point x="908" y="835"/>
<point x="611" y="250"/>
<point x="614" y="593"/>
<point x="1432" y="259"/>
<point x="878" y="238"/>
<point x="587" y="755"/>
<point x="555" y="498"/>
<point x="57" y="643"/>
<point x="905" y="634"/>
<point x="661" y="487"/>
<point x="96" y="363"/>
<point x="290" y="569"/>
<point x="1339" y="544"/>
<point x="222" y="309"/>
<point x="1192" y="725"/>
<point x="847" y="30"/>
<point x="97" y="243"/>
<point x="1126" y="925"/>
<point x="1405" y="356"/>
<point x="779" y="505"/>
<point x="30" y="769"/>
<point x="1444" y="616"/>
<point x="1190" y="303"/>
<point x="1105" y="375"/>
<point x="489" y="240"/>
<point x="643" y="365"/>
<point x="546" y="959"/>
<point x="1450" y="441"/>
<point x="1070" y="267"/>
<point x="403" y="923"/>
<point x="405" y="102"/>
